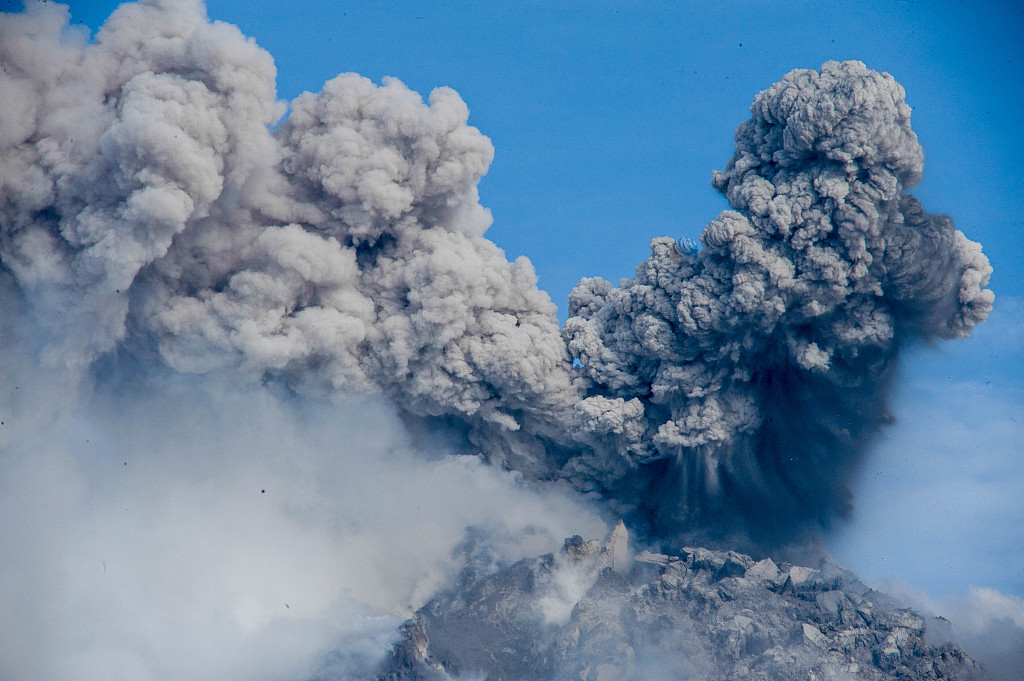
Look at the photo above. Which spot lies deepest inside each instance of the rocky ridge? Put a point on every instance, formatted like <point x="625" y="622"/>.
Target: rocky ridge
<point x="594" y="612"/>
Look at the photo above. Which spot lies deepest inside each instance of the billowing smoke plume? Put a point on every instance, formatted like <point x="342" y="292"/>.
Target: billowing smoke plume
<point x="151" y="215"/>
<point x="185" y="276"/>
<point x="745" y="377"/>
<point x="148" y="208"/>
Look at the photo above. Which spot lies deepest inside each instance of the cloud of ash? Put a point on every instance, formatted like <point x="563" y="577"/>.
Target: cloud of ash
<point x="745" y="378"/>
<point x="151" y="212"/>
<point x="156" y="226"/>
<point x="180" y="286"/>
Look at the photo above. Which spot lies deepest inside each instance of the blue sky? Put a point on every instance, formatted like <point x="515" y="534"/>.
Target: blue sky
<point x="608" y="118"/>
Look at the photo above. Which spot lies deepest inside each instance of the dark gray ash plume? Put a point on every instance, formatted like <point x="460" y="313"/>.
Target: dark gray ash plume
<point x="149" y="211"/>
<point x="744" y="379"/>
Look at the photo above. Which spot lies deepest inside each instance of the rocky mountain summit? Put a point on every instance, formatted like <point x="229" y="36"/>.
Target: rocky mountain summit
<point x="594" y="612"/>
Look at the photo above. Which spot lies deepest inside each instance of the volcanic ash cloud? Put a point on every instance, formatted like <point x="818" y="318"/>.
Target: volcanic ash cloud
<point x="150" y="209"/>
<point x="745" y="377"/>
<point x="185" y="277"/>
<point x="152" y="217"/>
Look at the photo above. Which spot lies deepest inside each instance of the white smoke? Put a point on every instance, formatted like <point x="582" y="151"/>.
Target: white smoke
<point x="156" y="525"/>
<point x="183" y="527"/>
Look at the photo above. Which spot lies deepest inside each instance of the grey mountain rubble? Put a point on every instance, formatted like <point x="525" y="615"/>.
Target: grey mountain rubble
<point x="596" y="613"/>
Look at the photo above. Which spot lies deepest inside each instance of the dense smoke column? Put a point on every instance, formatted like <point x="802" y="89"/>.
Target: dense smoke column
<point x="150" y="211"/>
<point x="735" y="386"/>
<point x="111" y="151"/>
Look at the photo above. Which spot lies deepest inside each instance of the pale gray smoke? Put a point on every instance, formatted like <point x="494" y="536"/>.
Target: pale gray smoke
<point x="150" y="209"/>
<point x="152" y="224"/>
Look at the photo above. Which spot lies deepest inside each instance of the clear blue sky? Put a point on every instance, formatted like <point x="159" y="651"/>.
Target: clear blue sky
<point x="608" y="118"/>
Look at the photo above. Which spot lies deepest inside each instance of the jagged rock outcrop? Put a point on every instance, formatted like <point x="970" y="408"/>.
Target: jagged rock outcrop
<point x="594" y="613"/>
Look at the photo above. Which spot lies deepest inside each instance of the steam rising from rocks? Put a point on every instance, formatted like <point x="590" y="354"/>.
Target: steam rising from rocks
<point x="152" y="218"/>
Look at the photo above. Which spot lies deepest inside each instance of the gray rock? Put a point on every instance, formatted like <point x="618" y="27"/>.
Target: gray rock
<point x="765" y="570"/>
<point x="702" y="614"/>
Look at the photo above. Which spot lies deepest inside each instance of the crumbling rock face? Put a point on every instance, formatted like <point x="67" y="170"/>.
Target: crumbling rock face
<point x="700" y="614"/>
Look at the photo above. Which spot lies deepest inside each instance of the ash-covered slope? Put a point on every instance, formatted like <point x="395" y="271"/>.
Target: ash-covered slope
<point x="595" y="614"/>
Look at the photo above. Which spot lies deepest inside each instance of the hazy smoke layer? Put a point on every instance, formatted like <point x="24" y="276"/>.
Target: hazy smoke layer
<point x="185" y="528"/>
<point x="752" y="371"/>
<point x="150" y="216"/>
